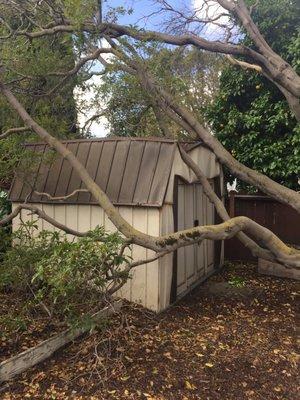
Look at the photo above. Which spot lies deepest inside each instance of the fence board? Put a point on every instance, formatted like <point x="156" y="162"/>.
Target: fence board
<point x="280" y="218"/>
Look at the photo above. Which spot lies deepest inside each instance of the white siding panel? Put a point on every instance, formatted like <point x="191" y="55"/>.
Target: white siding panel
<point x="97" y="217"/>
<point x="166" y="262"/>
<point x="210" y="245"/>
<point x="189" y="223"/>
<point x="84" y="218"/>
<point x="205" y="245"/>
<point x="60" y="213"/>
<point x="125" y="291"/>
<point x="139" y="274"/>
<point x="49" y="210"/>
<point x="152" y="269"/>
<point x="16" y="221"/>
<point x="199" y="201"/>
<point x="181" y="264"/>
<point x="72" y="218"/>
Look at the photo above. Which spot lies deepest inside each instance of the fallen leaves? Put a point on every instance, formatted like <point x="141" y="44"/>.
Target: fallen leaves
<point x="202" y="348"/>
<point x="189" y="386"/>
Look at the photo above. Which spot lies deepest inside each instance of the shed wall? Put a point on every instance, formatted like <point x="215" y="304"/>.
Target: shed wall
<point x="203" y="157"/>
<point x="144" y="286"/>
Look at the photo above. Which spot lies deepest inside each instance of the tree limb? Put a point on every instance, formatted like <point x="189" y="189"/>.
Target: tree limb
<point x="244" y="64"/>
<point x="36" y="210"/>
<point x="61" y="197"/>
<point x="220" y="208"/>
<point x="11" y="131"/>
<point x="183" y="116"/>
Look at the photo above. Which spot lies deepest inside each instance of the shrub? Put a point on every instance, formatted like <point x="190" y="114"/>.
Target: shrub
<point x="67" y="278"/>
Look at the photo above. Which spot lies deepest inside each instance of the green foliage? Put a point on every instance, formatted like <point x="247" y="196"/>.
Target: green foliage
<point x="250" y="116"/>
<point x="80" y="11"/>
<point x="237" y="281"/>
<point x="189" y="75"/>
<point x="29" y="65"/>
<point x="5" y="231"/>
<point x="66" y="278"/>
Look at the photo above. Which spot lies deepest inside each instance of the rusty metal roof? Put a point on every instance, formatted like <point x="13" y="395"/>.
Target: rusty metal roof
<point x="131" y="171"/>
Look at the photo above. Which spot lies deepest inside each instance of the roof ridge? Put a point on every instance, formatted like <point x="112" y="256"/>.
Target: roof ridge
<point x="112" y="139"/>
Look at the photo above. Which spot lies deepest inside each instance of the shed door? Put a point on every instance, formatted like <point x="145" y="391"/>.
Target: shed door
<point x="196" y="261"/>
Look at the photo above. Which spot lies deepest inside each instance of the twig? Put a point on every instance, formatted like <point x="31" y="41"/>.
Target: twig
<point x="11" y="131"/>
<point x="61" y="197"/>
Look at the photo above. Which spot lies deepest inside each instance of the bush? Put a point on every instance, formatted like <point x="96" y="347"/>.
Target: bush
<point x="67" y="279"/>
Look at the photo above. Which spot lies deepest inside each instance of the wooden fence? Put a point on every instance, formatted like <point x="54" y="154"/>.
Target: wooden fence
<point x="281" y="219"/>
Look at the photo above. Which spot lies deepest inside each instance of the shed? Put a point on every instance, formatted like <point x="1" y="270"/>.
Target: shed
<point x="153" y="189"/>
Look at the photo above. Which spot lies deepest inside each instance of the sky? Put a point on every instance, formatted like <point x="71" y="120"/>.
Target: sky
<point x="141" y="16"/>
<point x="141" y="9"/>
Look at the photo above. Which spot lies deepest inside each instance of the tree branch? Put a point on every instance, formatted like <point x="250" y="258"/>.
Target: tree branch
<point x="274" y="66"/>
<point x="184" y="117"/>
<point x="244" y="64"/>
<point x="61" y="197"/>
<point x="11" y="131"/>
<point x="220" y="208"/>
<point x="36" y="210"/>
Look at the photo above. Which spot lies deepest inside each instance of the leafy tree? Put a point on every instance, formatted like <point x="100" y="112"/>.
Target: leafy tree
<point x="250" y="115"/>
<point x="190" y="75"/>
<point x="33" y="62"/>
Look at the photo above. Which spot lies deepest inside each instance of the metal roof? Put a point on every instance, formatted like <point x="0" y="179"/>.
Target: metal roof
<point x="131" y="171"/>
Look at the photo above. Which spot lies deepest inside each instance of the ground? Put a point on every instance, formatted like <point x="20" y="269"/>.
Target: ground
<point x="213" y="344"/>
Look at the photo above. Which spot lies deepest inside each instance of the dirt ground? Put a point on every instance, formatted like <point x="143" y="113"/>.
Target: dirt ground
<point x="208" y="346"/>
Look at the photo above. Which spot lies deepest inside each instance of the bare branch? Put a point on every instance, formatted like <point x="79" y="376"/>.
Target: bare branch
<point x="90" y="120"/>
<point x="11" y="131"/>
<point x="68" y="74"/>
<point x="36" y="210"/>
<point x="244" y="64"/>
<point x="61" y="198"/>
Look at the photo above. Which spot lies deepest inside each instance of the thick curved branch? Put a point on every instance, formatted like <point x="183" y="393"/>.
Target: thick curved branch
<point x="61" y="28"/>
<point x="229" y="229"/>
<point x="220" y="208"/>
<point x="121" y="224"/>
<point x="184" y="117"/>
